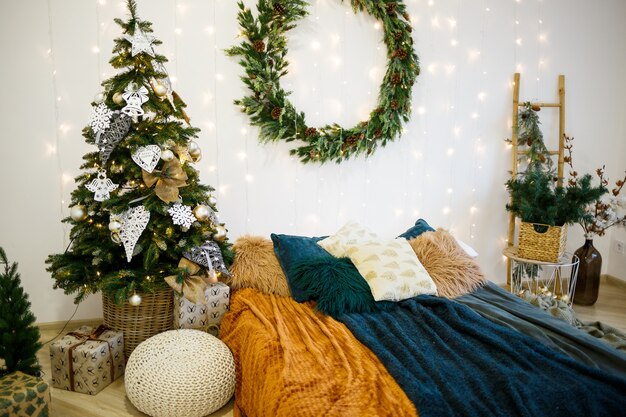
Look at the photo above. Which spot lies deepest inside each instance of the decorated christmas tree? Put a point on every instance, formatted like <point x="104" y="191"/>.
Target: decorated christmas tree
<point x="139" y="213"/>
<point x="19" y="337"/>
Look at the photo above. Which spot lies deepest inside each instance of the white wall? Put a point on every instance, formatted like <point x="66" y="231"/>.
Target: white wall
<point x="449" y="167"/>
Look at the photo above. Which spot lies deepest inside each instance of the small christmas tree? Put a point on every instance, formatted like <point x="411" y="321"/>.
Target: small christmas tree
<point x="536" y="196"/>
<point x="19" y="337"/>
<point x="139" y="207"/>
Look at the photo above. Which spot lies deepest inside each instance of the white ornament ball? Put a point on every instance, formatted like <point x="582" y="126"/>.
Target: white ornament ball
<point x="115" y="226"/>
<point x="77" y="213"/>
<point x="201" y="212"/>
<point x="118" y="98"/>
<point x="193" y="148"/>
<point x="159" y="89"/>
<point x="167" y="155"/>
<point x="213" y="200"/>
<point x="134" y="300"/>
<point x="220" y="233"/>
<point x="99" y="98"/>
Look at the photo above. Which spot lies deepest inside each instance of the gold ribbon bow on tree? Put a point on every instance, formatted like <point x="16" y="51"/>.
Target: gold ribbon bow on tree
<point x="193" y="285"/>
<point x="168" y="180"/>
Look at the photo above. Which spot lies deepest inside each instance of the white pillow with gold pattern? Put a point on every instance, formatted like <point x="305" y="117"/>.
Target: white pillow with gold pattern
<point x="391" y="269"/>
<point x="351" y="233"/>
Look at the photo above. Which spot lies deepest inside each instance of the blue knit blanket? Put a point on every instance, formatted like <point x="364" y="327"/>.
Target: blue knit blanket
<point x="451" y="361"/>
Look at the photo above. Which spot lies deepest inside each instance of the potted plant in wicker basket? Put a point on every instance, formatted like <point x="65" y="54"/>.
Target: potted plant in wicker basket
<point x="544" y="206"/>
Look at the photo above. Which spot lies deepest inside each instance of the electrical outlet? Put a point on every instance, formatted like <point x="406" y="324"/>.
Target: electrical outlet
<point x="618" y="246"/>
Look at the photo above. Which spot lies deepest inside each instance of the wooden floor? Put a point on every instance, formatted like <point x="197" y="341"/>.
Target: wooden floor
<point x="112" y="401"/>
<point x="611" y="305"/>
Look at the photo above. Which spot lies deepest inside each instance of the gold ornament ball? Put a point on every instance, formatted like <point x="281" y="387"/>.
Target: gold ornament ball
<point x="116" y="238"/>
<point x="220" y="233"/>
<point x="167" y="155"/>
<point x="213" y="276"/>
<point x="197" y="157"/>
<point x="115" y="226"/>
<point x="99" y="98"/>
<point x="77" y="213"/>
<point x="193" y="148"/>
<point x="212" y="200"/>
<point x="134" y="300"/>
<point x="201" y="212"/>
<point x="118" y="98"/>
<point x="159" y="90"/>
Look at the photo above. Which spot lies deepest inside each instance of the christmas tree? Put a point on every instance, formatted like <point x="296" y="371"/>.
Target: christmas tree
<point x="19" y="338"/>
<point x="139" y="213"/>
<point x="536" y="195"/>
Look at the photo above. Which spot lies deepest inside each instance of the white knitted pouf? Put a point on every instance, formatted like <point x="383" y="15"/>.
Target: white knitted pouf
<point x="180" y="373"/>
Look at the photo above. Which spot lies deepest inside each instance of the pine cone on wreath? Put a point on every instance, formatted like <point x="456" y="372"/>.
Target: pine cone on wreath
<point x="378" y="133"/>
<point x="397" y="36"/>
<point x="391" y="9"/>
<point x="396" y="79"/>
<point x="406" y="16"/>
<point x="400" y="53"/>
<point x="259" y="46"/>
<point x="394" y="105"/>
<point x="279" y="8"/>
<point x="276" y="112"/>
<point x="351" y="141"/>
<point x="311" y="131"/>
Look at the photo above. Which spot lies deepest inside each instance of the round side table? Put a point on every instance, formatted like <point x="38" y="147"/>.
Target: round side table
<point x="551" y="278"/>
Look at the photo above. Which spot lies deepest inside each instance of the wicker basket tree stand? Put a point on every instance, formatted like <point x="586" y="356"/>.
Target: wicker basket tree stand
<point x="154" y="315"/>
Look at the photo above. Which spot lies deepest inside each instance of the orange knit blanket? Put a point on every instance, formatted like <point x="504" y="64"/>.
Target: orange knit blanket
<point x="293" y="361"/>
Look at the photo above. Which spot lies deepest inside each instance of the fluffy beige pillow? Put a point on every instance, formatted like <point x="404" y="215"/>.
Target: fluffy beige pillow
<point x="351" y="233"/>
<point x="391" y="269"/>
<point x="454" y="272"/>
<point x="256" y="266"/>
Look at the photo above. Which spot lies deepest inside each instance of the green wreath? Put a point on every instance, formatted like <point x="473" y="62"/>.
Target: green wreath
<point x="263" y="53"/>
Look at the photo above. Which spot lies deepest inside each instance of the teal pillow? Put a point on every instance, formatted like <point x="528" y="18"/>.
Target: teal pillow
<point x="421" y="226"/>
<point x="336" y="285"/>
<point x="291" y="250"/>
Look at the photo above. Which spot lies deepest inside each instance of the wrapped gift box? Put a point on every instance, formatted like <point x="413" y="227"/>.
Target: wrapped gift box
<point x="23" y="395"/>
<point x="86" y="360"/>
<point x="206" y="316"/>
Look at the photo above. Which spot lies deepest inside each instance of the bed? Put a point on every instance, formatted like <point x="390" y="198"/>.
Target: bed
<point x="484" y="353"/>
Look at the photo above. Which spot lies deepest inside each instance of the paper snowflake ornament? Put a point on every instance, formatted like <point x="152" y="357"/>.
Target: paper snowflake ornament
<point x="100" y="119"/>
<point x="166" y="82"/>
<point x="208" y="255"/>
<point x="141" y="42"/>
<point x="134" y="100"/>
<point x="182" y="215"/>
<point x="101" y="186"/>
<point x="134" y="222"/>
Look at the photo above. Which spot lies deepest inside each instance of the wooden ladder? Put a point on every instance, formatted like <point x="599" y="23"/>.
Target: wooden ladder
<point x="515" y="152"/>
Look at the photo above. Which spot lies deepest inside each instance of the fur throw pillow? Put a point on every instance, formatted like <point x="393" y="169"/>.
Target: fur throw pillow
<point x="256" y="266"/>
<point x="453" y="271"/>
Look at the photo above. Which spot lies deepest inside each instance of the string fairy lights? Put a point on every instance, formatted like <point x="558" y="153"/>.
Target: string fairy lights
<point x="450" y="130"/>
<point x="59" y="127"/>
